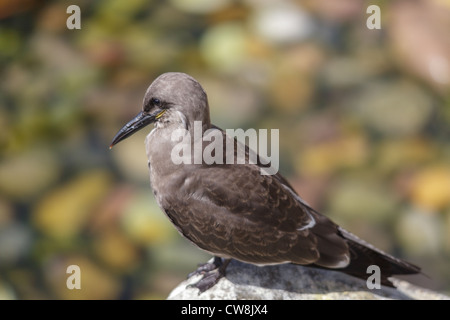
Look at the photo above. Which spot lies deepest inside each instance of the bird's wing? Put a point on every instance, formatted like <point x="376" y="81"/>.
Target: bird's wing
<point x="256" y="218"/>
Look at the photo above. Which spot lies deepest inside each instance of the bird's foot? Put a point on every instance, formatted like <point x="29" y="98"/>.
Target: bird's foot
<point x="206" y="267"/>
<point x="212" y="273"/>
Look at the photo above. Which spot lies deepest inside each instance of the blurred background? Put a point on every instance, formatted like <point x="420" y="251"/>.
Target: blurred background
<point x="364" y="120"/>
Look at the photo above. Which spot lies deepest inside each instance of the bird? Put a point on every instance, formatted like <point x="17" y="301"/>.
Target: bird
<point x="232" y="211"/>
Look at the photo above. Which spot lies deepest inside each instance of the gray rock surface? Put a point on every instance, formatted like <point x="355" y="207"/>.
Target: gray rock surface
<point x="293" y="282"/>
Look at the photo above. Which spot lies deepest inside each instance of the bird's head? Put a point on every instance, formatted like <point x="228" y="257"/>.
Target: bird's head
<point x="172" y="98"/>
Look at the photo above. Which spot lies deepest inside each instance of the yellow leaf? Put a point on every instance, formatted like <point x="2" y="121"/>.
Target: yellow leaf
<point x="63" y="212"/>
<point x="116" y="250"/>
<point x="431" y="188"/>
<point x="330" y="156"/>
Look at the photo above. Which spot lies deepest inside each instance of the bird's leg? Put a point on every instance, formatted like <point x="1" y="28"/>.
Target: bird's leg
<point x="206" y="267"/>
<point x="212" y="273"/>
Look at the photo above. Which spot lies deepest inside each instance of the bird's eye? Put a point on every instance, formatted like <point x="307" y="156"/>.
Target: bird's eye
<point x="156" y="102"/>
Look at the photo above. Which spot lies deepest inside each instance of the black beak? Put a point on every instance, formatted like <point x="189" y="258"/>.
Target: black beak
<point x="139" y="122"/>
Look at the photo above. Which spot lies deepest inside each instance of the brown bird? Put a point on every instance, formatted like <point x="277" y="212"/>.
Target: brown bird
<point x="232" y="210"/>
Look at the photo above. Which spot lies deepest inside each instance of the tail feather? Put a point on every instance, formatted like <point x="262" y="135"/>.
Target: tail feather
<point x="363" y="254"/>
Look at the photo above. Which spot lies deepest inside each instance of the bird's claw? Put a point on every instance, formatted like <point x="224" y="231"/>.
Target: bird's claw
<point x="211" y="273"/>
<point x="206" y="267"/>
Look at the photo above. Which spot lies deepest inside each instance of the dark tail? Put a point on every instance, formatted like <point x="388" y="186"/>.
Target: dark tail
<point x="364" y="254"/>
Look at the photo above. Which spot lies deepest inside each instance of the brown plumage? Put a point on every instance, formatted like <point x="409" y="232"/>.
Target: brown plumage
<point x="232" y="210"/>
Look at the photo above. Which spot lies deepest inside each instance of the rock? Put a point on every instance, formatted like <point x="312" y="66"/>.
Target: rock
<point x="294" y="282"/>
